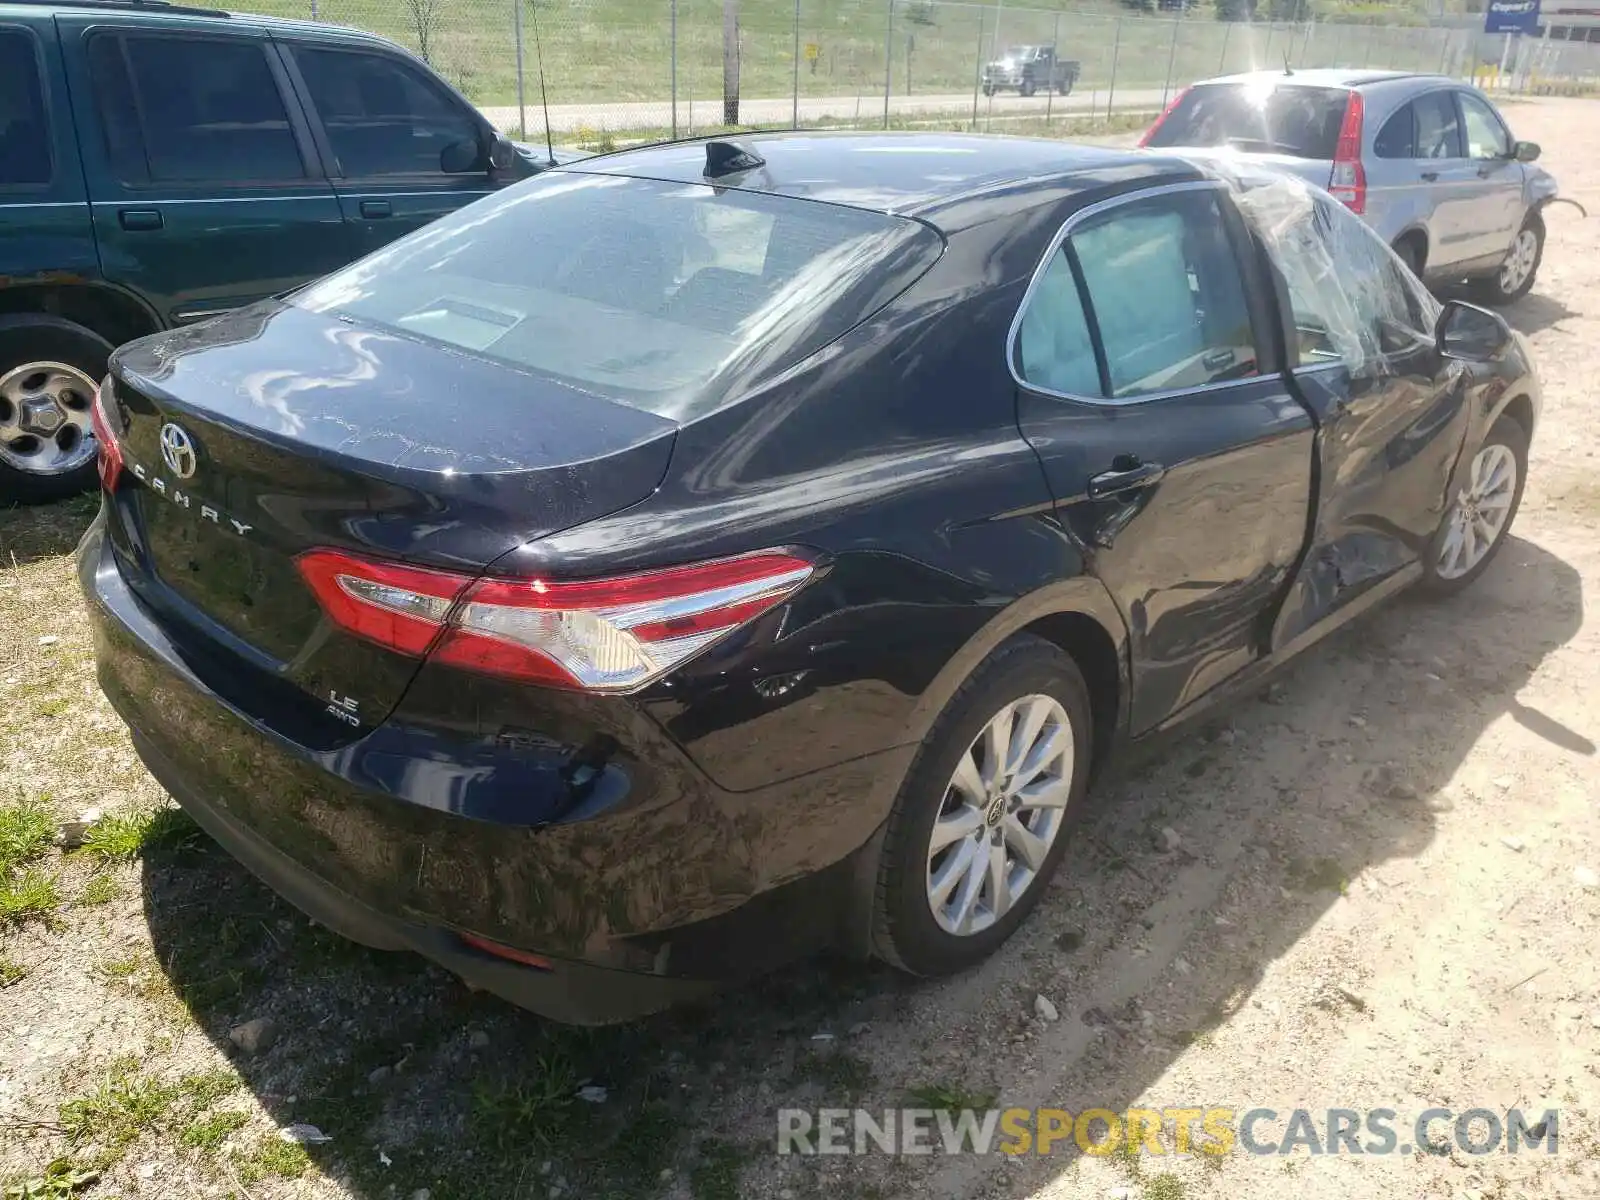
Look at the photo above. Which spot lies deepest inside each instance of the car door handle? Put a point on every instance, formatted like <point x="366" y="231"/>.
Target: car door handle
<point x="1485" y="172"/>
<point x="137" y="220"/>
<point x="1126" y="474"/>
<point x="1430" y="177"/>
<point x="376" y="208"/>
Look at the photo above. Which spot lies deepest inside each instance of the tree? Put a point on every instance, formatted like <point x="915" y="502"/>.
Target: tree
<point x="1236" y="10"/>
<point x="730" y="62"/>
<point x="424" y="17"/>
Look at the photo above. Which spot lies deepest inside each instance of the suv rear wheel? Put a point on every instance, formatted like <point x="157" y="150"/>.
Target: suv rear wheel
<point x="982" y="818"/>
<point x="49" y="370"/>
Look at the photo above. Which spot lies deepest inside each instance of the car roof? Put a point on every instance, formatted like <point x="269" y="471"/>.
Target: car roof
<point x="1329" y="77"/>
<point x="910" y="174"/>
<point x="186" y="13"/>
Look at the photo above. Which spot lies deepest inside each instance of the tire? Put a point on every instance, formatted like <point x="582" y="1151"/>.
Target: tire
<point x="36" y="470"/>
<point x="906" y="933"/>
<point x="988" y="90"/>
<point x="1066" y="86"/>
<point x="1410" y="254"/>
<point x="1028" y="87"/>
<point x="1443" y="576"/>
<point x="1493" y="289"/>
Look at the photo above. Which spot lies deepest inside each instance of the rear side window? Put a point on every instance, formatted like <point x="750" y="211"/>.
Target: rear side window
<point x="1438" y="131"/>
<point x="24" y="128"/>
<point x="179" y="110"/>
<point x="675" y="298"/>
<point x="1397" y="138"/>
<point x="381" y="116"/>
<point x="1158" y="280"/>
<point x="1295" y="120"/>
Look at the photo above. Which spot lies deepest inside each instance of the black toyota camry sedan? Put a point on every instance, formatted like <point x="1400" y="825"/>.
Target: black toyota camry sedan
<point x="703" y="554"/>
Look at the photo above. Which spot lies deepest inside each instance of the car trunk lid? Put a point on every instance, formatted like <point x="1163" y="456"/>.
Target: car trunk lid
<point x="371" y="443"/>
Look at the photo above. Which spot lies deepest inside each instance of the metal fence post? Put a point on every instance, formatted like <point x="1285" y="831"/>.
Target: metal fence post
<point x="1372" y="36"/>
<point x="888" y="62"/>
<point x="796" y="121"/>
<point x="1222" y="62"/>
<point x="1172" y="55"/>
<point x="1050" y="93"/>
<point x="522" y="103"/>
<point x="673" y="50"/>
<point x="314" y="16"/>
<point x="1116" y="51"/>
<point x="977" y="71"/>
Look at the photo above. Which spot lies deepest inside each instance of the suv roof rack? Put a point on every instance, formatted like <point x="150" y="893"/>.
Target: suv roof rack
<point x="127" y="5"/>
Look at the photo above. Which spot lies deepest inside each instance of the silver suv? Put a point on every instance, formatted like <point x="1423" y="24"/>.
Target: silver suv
<point x="1427" y="161"/>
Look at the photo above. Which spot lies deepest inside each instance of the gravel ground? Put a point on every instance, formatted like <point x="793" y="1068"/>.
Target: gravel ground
<point x="1381" y="895"/>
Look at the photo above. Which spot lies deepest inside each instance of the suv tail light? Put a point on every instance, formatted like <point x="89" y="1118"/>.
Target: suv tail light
<point x="108" y="453"/>
<point x="1144" y="138"/>
<point x="604" y="635"/>
<point x="1348" y="183"/>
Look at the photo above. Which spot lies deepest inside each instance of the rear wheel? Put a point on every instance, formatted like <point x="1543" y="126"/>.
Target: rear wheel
<point x="1481" y="512"/>
<point x="1410" y="253"/>
<point x="981" y="820"/>
<point x="1520" y="268"/>
<point x="1028" y="87"/>
<point x="988" y="89"/>
<point x="1066" y="86"/>
<point x="49" y="370"/>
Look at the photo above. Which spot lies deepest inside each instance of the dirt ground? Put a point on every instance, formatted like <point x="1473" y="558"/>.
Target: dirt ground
<point x="1381" y="896"/>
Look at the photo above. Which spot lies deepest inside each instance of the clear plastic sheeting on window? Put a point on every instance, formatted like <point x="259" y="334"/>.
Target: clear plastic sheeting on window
<point x="1354" y="301"/>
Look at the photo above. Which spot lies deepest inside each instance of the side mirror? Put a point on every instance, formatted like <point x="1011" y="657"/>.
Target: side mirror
<point x="502" y="153"/>
<point x="1525" y="151"/>
<point x="460" y="158"/>
<point x="1472" y="334"/>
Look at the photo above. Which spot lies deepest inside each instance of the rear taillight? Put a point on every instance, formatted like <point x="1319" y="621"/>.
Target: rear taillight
<point x="1144" y="139"/>
<point x="108" y="453"/>
<point x="1348" y="184"/>
<point x="606" y="635"/>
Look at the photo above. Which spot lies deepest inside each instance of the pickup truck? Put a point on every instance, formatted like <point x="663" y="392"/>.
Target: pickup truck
<point x="161" y="164"/>
<point x="1027" y="69"/>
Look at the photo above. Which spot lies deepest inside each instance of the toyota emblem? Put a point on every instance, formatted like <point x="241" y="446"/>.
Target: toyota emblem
<point x="177" y="451"/>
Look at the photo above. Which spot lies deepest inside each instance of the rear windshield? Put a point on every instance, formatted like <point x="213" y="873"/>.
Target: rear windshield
<point x="672" y="297"/>
<point x="1298" y="121"/>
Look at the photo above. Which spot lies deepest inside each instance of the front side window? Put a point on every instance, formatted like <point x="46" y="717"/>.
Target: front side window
<point x="1160" y="290"/>
<point x="1486" y="136"/>
<point x="382" y="116"/>
<point x="1352" y="300"/>
<point x="193" y="110"/>
<point x="1438" y="133"/>
<point x="24" y="130"/>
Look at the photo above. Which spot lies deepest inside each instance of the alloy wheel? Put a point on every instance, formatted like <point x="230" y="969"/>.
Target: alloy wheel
<point x="1481" y="510"/>
<point x="45" y="422"/>
<point x="1519" y="262"/>
<point x="1002" y="811"/>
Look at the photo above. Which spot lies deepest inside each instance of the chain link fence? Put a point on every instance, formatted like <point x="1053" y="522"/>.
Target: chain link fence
<point x="611" y="71"/>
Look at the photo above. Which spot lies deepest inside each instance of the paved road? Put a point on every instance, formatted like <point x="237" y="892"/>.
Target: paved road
<point x="569" y="118"/>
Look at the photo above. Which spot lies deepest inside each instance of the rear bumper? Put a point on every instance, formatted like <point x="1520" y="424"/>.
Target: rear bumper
<point x="408" y="838"/>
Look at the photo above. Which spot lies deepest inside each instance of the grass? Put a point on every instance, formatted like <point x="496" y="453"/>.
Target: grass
<point x="843" y="1075"/>
<point x="534" y="1111"/>
<point x="1165" y="1186"/>
<point x="622" y="51"/>
<point x="715" y="1174"/>
<point x="26" y="831"/>
<point x="208" y="1133"/>
<point x="101" y="889"/>
<point x="11" y="972"/>
<point x="206" y="1088"/>
<point x="35" y="894"/>
<point x="950" y="1098"/>
<point x="273" y="1156"/>
<point x="125" y="1105"/>
<point x="61" y="1178"/>
<point x="125" y="836"/>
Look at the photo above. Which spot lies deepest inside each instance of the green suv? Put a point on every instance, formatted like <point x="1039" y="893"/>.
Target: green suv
<point x="159" y="165"/>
